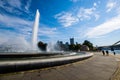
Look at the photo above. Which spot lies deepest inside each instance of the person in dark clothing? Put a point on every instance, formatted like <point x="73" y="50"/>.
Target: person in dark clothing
<point x="103" y="53"/>
<point x="107" y="53"/>
<point x="114" y="53"/>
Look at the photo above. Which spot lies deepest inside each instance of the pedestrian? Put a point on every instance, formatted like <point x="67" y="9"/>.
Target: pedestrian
<point x="114" y="53"/>
<point x="103" y="52"/>
<point x="107" y="53"/>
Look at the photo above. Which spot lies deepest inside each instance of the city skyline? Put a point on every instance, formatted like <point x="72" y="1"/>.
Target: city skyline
<point x="98" y="21"/>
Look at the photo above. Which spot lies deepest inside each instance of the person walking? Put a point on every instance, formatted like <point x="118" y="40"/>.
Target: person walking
<point x="107" y="53"/>
<point x="114" y="53"/>
<point x="103" y="52"/>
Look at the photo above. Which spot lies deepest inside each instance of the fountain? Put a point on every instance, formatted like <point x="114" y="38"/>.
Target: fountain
<point x="32" y="59"/>
<point x="35" y="31"/>
<point x="34" y="47"/>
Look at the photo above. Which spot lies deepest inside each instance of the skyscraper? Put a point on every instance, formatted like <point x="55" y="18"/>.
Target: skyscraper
<point x="71" y="41"/>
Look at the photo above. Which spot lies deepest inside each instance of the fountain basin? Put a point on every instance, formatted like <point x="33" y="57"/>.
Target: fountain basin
<point x="26" y="54"/>
<point x="7" y="66"/>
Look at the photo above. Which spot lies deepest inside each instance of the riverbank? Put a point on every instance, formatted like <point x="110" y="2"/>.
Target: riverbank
<point x="98" y="67"/>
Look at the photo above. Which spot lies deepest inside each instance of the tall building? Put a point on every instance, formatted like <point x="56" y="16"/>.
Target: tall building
<point x="71" y="41"/>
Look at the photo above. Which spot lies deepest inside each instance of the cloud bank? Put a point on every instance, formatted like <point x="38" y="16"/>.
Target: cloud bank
<point x="104" y="28"/>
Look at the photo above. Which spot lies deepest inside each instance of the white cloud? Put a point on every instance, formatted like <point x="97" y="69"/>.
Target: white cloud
<point x="46" y="31"/>
<point x="28" y="4"/>
<point x="11" y="3"/>
<point x="66" y="19"/>
<point x="14" y="3"/>
<point x="21" y="25"/>
<point x="86" y="13"/>
<point x="70" y="18"/>
<point x="96" y="16"/>
<point x="110" y="5"/>
<point x="15" y="7"/>
<point x="105" y="28"/>
<point x="14" y="21"/>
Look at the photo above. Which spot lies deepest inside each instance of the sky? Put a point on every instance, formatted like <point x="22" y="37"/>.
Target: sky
<point x="95" y="20"/>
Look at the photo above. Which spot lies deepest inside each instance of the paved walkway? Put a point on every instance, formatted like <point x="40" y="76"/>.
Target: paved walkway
<point x="116" y="75"/>
<point x="96" y="68"/>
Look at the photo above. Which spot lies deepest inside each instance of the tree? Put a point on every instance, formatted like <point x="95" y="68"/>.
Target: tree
<point x="89" y="44"/>
<point x="72" y="47"/>
<point x="77" y="47"/>
<point x="42" y="45"/>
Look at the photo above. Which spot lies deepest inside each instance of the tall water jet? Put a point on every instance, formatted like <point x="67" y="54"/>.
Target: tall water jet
<point x="35" y="31"/>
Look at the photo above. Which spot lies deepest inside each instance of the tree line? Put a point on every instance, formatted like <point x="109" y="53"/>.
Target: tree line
<point x="68" y="47"/>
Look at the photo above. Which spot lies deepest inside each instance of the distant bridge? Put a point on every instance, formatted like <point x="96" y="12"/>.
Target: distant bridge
<point x="116" y="43"/>
<point x="115" y="46"/>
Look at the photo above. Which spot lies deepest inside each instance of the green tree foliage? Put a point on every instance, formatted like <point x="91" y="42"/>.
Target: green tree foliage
<point x="77" y="47"/>
<point x="72" y="47"/>
<point x="42" y="45"/>
<point x="89" y="44"/>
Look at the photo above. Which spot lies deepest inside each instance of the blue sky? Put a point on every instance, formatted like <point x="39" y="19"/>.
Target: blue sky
<point x="95" y="20"/>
